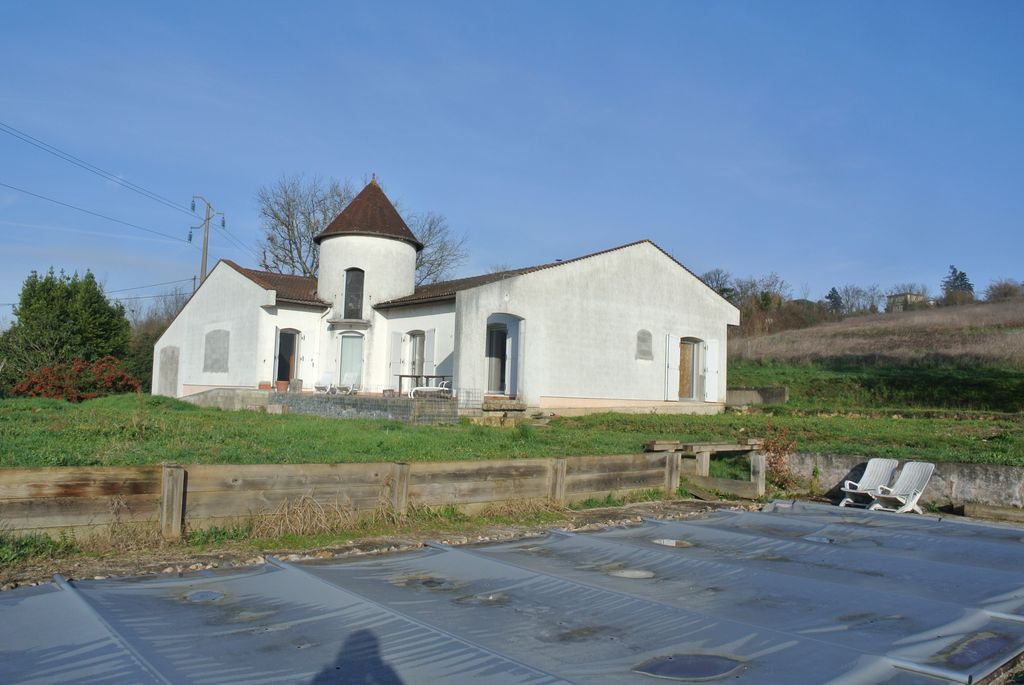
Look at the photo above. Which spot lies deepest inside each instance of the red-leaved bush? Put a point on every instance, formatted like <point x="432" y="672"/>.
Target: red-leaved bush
<point x="78" y="380"/>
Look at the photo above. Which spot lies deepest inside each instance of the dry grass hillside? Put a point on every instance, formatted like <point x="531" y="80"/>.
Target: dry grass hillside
<point x="987" y="333"/>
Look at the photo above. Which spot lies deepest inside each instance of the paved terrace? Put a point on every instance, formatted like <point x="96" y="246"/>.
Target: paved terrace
<point x="794" y="594"/>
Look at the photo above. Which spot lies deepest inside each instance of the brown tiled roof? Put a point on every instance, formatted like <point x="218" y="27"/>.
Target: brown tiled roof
<point x="370" y="213"/>
<point x="445" y="290"/>
<point x="294" y="289"/>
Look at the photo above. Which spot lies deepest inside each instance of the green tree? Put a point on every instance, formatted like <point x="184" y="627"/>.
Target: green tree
<point x="956" y="287"/>
<point x="834" y="302"/>
<point x="61" y="318"/>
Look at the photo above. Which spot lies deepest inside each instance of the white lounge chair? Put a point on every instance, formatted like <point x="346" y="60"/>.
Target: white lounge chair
<point x="907" y="489"/>
<point x="442" y="389"/>
<point x="878" y="473"/>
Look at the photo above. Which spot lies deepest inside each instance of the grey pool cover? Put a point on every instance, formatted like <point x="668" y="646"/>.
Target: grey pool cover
<point x="798" y="593"/>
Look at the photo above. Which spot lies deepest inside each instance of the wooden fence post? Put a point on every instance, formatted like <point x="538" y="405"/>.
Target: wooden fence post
<point x="172" y="501"/>
<point x="400" y="488"/>
<point x="757" y="469"/>
<point x="558" y="481"/>
<point x="704" y="463"/>
<point x="672" y="466"/>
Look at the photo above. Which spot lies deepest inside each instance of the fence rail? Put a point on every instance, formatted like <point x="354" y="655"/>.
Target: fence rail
<point x="198" y="496"/>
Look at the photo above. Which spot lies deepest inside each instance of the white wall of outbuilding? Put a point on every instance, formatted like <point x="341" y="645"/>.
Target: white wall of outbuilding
<point x="579" y="325"/>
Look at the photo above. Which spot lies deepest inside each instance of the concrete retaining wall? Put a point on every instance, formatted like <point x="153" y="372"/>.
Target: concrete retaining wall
<point x="741" y="397"/>
<point x="952" y="483"/>
<point x="426" y="410"/>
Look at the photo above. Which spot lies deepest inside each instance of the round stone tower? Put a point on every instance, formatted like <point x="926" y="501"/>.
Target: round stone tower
<point x="367" y="255"/>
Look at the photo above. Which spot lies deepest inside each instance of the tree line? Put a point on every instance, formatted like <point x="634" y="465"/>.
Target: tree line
<point x="766" y="304"/>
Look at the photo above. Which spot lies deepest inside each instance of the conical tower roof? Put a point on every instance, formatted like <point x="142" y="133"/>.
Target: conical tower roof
<point x="370" y="213"/>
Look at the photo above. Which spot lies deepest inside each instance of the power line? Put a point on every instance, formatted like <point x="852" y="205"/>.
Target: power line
<point x="151" y="285"/>
<point x="121" y="290"/>
<point x="89" y="211"/>
<point x="240" y="244"/>
<point x="92" y="168"/>
<point x="145" y="297"/>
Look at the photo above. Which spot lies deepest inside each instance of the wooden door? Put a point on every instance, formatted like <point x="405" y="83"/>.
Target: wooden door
<point x="687" y="356"/>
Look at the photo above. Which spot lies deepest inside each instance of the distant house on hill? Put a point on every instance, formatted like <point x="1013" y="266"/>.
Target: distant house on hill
<point x="626" y="328"/>
<point x="898" y="302"/>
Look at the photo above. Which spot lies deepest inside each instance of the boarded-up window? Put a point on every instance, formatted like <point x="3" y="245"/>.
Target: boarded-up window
<point x="215" y="351"/>
<point x="354" y="294"/>
<point x="644" y="346"/>
<point x="167" y="377"/>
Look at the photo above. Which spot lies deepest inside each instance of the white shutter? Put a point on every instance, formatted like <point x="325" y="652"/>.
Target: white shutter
<point x="711" y="367"/>
<point x="395" y="366"/>
<point x="671" y="368"/>
<point x="274" y="359"/>
<point x="428" y="352"/>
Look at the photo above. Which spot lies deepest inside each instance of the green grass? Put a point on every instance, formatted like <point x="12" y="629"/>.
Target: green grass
<point x="21" y="547"/>
<point x="850" y="383"/>
<point x="610" y="500"/>
<point x="735" y="467"/>
<point x="863" y="410"/>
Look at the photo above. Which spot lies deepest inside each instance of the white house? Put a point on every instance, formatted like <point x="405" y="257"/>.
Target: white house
<point x="627" y="328"/>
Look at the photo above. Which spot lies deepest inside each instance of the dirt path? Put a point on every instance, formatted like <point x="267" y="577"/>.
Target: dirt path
<point x="180" y="559"/>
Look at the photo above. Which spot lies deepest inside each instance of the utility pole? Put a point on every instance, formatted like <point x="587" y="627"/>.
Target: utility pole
<point x="207" y="215"/>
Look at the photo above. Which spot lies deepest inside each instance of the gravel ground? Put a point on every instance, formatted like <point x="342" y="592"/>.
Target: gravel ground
<point x="179" y="559"/>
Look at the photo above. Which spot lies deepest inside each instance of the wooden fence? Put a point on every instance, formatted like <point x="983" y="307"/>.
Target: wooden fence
<point x="199" y="496"/>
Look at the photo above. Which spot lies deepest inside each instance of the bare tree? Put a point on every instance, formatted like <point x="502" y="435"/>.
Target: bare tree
<point x="442" y="252"/>
<point x="1004" y="289"/>
<point x="909" y="288"/>
<point x="293" y="211"/>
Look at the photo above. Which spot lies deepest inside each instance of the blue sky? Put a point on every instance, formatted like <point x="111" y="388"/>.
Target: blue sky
<point x="839" y="142"/>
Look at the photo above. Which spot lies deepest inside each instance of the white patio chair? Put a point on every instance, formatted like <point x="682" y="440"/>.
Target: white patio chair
<point x="907" y="489"/>
<point x="878" y="473"/>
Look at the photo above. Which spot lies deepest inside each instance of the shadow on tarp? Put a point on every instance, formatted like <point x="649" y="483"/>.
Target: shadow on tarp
<point x="358" y="663"/>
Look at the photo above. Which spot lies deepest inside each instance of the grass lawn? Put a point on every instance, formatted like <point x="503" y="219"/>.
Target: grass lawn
<point x="125" y="430"/>
<point x="830" y="384"/>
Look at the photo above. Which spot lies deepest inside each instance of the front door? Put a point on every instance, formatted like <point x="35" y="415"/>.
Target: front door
<point x="286" y="347"/>
<point x="351" y="360"/>
<point x="687" y="369"/>
<point x="496" y="358"/>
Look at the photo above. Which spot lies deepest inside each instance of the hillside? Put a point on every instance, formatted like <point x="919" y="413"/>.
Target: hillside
<point x="985" y="333"/>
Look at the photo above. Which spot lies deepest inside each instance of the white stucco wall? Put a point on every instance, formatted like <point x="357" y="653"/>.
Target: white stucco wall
<point x="438" y="318"/>
<point x="389" y="267"/>
<point x="225" y="301"/>
<point x="580" y="322"/>
<point x="308" y="321"/>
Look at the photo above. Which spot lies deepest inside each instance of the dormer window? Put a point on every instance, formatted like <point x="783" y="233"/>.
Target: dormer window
<point x="353" y="293"/>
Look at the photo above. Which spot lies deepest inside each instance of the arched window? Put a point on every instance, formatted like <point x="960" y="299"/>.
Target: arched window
<point x="353" y="294"/>
<point x="644" y="345"/>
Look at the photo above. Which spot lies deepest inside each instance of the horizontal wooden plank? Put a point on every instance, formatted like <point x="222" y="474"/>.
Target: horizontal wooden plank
<point x="99" y="481"/>
<point x="739" y="488"/>
<point x="636" y="480"/>
<point x="714" y="447"/>
<point x="987" y="511"/>
<point x="477" y="471"/>
<point x="241" y="477"/>
<point x="54" y="512"/>
<point x="245" y="503"/>
<point x="464" y="492"/>
<point x="614" y="463"/>
<point x="584" y="495"/>
<point x="661" y="445"/>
